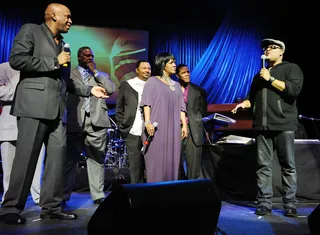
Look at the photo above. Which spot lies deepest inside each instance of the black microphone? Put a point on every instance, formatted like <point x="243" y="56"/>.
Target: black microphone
<point x="147" y="141"/>
<point x="308" y="118"/>
<point x="263" y="57"/>
<point x="66" y="48"/>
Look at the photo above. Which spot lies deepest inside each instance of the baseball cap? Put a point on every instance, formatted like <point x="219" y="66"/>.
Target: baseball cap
<point x="268" y="41"/>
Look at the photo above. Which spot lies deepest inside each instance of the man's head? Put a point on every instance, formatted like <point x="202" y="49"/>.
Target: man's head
<point x="183" y="73"/>
<point x="85" y="56"/>
<point x="58" y="18"/>
<point x="143" y="69"/>
<point x="273" y="49"/>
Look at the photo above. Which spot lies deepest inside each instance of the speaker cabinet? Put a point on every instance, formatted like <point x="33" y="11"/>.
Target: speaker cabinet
<point x="175" y="207"/>
<point x="314" y="221"/>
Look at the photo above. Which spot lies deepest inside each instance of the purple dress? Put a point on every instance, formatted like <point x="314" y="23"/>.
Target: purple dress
<point x="162" y="155"/>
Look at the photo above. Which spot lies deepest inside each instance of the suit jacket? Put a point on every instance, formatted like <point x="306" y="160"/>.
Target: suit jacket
<point x="8" y="81"/>
<point x="41" y="91"/>
<point x="126" y="108"/>
<point x="98" y="107"/>
<point x="196" y="110"/>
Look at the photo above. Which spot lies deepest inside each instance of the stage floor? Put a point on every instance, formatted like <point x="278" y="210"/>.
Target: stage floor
<point x="236" y="218"/>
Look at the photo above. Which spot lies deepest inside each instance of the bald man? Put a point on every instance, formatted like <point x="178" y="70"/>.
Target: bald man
<point x="39" y="105"/>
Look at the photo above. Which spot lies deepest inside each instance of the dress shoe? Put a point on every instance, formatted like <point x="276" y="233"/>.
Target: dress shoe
<point x="290" y="212"/>
<point x="12" y="218"/>
<point x="98" y="201"/>
<point x="263" y="210"/>
<point x="60" y="215"/>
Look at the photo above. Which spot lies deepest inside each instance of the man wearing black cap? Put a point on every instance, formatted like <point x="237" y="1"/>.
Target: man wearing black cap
<point x="272" y="97"/>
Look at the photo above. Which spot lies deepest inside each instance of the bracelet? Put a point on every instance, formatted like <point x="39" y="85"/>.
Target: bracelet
<point x="147" y="122"/>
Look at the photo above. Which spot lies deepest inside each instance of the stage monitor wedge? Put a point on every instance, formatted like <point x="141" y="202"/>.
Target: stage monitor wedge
<point x="177" y="207"/>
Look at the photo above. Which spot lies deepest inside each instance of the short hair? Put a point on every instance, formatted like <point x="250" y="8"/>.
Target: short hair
<point x="180" y="66"/>
<point x="160" y="62"/>
<point x="81" y="49"/>
<point x="139" y="62"/>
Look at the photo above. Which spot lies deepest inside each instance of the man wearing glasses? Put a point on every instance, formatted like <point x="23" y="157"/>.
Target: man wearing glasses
<point x="272" y="97"/>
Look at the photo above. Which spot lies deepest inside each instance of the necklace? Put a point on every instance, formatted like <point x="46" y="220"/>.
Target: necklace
<point x="167" y="79"/>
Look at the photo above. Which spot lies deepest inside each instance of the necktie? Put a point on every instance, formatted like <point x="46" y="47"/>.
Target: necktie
<point x="86" y="104"/>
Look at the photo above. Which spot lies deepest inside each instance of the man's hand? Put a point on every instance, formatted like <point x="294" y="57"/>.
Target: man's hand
<point x="245" y="104"/>
<point x="99" y="92"/>
<point x="64" y="57"/>
<point x="265" y="74"/>
<point x="92" y="66"/>
<point x="184" y="132"/>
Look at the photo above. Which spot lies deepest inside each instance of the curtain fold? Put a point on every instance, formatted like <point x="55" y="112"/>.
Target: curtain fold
<point x="222" y="62"/>
<point x="9" y="27"/>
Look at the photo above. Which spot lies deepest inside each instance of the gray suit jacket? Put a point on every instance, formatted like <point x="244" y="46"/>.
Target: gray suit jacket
<point x="9" y="79"/>
<point x="98" y="107"/>
<point x="41" y="92"/>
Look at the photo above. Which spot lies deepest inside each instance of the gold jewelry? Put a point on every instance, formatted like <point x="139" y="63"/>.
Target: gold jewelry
<point x="167" y="79"/>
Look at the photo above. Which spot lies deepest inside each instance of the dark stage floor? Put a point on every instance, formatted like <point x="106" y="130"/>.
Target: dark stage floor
<point x="236" y="218"/>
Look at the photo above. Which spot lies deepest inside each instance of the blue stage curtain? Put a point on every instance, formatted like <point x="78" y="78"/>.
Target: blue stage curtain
<point x="224" y="64"/>
<point x="9" y="27"/>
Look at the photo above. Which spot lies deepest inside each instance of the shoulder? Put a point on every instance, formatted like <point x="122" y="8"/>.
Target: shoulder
<point x="124" y="84"/>
<point x="152" y="79"/>
<point x="29" y="26"/>
<point x="196" y="87"/>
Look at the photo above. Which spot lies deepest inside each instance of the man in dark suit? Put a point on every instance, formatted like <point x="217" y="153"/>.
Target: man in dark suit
<point x="39" y="104"/>
<point x="195" y="98"/>
<point x="130" y="120"/>
<point x="87" y="123"/>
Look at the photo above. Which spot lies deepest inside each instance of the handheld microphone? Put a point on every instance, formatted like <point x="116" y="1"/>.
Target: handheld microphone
<point x="263" y="57"/>
<point x="147" y="141"/>
<point x="66" y="48"/>
<point x="308" y="118"/>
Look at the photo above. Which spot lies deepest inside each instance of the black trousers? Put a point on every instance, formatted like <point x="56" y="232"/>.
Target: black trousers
<point x="136" y="161"/>
<point x="32" y="133"/>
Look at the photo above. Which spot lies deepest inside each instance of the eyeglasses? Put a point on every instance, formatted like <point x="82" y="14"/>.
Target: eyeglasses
<point x="272" y="47"/>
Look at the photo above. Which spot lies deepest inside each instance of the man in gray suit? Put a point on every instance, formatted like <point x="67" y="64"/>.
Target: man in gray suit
<point x="87" y="123"/>
<point x="9" y="79"/>
<point x="39" y="104"/>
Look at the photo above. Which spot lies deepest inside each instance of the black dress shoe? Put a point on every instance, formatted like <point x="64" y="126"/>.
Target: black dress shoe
<point x="290" y="212"/>
<point x="12" y="218"/>
<point x="263" y="210"/>
<point x="60" y="215"/>
<point x="98" y="201"/>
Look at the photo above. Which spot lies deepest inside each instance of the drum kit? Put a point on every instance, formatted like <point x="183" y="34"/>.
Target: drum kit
<point x="116" y="150"/>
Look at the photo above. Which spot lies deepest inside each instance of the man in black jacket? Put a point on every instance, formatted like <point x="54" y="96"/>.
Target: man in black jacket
<point x="130" y="120"/>
<point x="195" y="98"/>
<point x="272" y="97"/>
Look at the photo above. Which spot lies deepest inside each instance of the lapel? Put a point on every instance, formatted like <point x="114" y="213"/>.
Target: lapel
<point x="191" y="95"/>
<point x="50" y="39"/>
<point x="133" y="91"/>
<point x="77" y="74"/>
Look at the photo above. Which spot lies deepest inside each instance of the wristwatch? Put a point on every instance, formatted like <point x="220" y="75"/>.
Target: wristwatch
<point x="271" y="79"/>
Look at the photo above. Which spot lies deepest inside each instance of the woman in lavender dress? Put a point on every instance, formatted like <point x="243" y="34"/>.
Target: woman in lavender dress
<point x="162" y="102"/>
